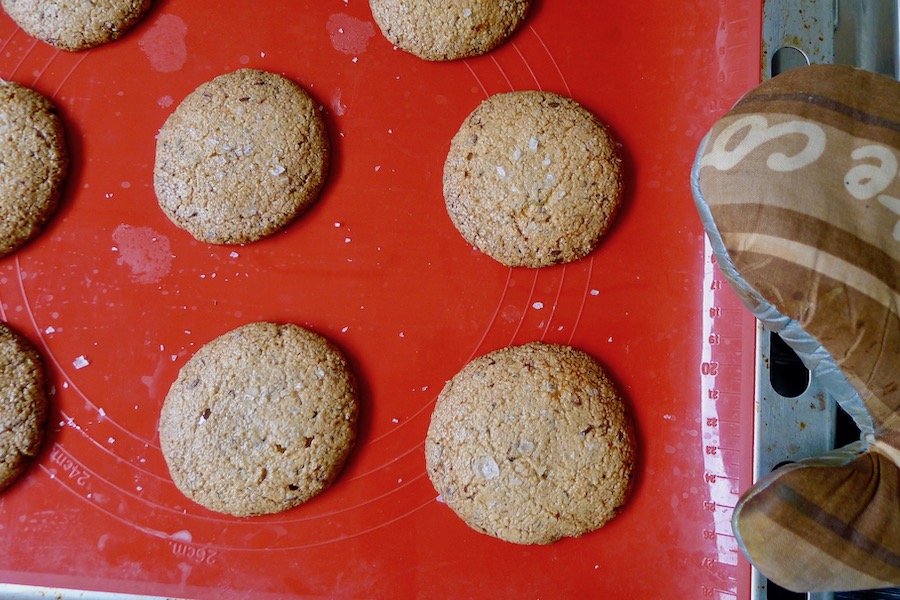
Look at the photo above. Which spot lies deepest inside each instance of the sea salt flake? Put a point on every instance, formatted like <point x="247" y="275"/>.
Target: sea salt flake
<point x="487" y="467"/>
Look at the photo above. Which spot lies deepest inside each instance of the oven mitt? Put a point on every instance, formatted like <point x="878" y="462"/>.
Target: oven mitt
<point x="798" y="189"/>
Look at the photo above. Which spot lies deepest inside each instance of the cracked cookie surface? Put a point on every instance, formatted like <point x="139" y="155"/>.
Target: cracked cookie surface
<point x="23" y="404"/>
<point x="532" y="179"/>
<point x="531" y="444"/>
<point x="241" y="157"/>
<point x="259" y="420"/>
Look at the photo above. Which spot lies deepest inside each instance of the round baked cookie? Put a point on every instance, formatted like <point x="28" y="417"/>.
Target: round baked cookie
<point x="532" y="179"/>
<point x="76" y="24"/>
<point x="259" y="420"/>
<point x="241" y="157"/>
<point x="33" y="164"/>
<point x="531" y="444"/>
<point x="448" y="29"/>
<point x="23" y="404"/>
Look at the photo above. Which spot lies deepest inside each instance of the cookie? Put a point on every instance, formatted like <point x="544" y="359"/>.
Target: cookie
<point x="531" y="444"/>
<point x="33" y="164"/>
<point x="448" y="29"/>
<point x="241" y="157"/>
<point x="23" y="404"/>
<point x="532" y="179"/>
<point x="76" y="24"/>
<point x="259" y="420"/>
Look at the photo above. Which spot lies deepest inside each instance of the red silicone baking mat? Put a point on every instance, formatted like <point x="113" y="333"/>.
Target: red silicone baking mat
<point x="117" y="299"/>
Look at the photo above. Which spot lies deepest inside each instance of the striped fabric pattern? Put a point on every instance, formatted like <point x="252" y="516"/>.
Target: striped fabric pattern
<point x="799" y="187"/>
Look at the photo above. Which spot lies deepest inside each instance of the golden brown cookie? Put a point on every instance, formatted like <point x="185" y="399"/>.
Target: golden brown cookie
<point x="33" y="164"/>
<point x="448" y="29"/>
<point x="532" y="179"/>
<point x="259" y="420"/>
<point x="241" y="157"/>
<point x="23" y="404"/>
<point x="530" y="444"/>
<point x="76" y="24"/>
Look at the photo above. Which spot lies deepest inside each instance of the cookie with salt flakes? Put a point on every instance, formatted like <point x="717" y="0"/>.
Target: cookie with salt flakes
<point x="34" y="161"/>
<point x="259" y="420"/>
<point x="531" y="444"/>
<point x="241" y="157"/>
<point x="533" y="179"/>
<point x="445" y="30"/>
<point x="23" y="404"/>
<point x="76" y="24"/>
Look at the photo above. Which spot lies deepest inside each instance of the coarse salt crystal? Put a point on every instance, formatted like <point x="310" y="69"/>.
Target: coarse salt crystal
<point x="234" y="254"/>
<point x="278" y="170"/>
<point x="80" y="362"/>
<point x="467" y="12"/>
<point x="595" y="292"/>
<point x="50" y="330"/>
<point x="532" y="144"/>
<point x="501" y="171"/>
<point x="538" y="305"/>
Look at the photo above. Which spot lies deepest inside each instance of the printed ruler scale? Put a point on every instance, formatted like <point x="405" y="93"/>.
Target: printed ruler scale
<point x="727" y="359"/>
